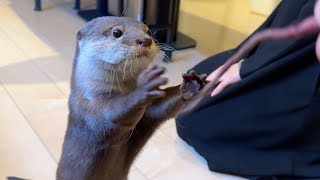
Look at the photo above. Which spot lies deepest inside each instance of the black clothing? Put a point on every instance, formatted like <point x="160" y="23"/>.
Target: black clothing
<point x="268" y="124"/>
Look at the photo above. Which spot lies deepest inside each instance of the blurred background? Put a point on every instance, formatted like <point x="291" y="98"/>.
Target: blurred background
<point x="37" y="49"/>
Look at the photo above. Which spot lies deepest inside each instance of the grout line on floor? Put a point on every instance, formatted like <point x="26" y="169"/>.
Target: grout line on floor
<point x="32" y="62"/>
<point x="26" y="119"/>
<point x="12" y="98"/>
<point x="141" y="173"/>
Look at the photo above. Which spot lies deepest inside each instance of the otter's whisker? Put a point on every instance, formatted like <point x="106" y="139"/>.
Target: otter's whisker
<point x="125" y="9"/>
<point x="131" y="66"/>
<point x="165" y="47"/>
<point x="154" y="33"/>
<point x="164" y="56"/>
<point x="129" y="136"/>
<point x="135" y="58"/>
<point x="154" y="39"/>
<point x="125" y="66"/>
<point x="137" y="62"/>
<point x="110" y="88"/>
<point x="113" y="77"/>
<point x="179" y="124"/>
<point x="118" y="80"/>
<point x="158" y="43"/>
<point x="135" y="129"/>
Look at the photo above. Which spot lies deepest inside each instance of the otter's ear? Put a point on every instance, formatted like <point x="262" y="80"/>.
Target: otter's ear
<point x="79" y="35"/>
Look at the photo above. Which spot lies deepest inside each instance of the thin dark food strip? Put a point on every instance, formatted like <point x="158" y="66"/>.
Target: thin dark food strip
<point x="304" y="28"/>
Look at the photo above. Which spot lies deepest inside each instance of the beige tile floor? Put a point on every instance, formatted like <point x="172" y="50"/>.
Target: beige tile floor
<point x="35" y="65"/>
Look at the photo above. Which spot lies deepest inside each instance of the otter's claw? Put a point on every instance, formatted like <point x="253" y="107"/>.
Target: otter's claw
<point x="192" y="83"/>
<point x="192" y="76"/>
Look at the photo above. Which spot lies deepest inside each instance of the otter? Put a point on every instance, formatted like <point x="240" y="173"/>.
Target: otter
<point x="116" y="103"/>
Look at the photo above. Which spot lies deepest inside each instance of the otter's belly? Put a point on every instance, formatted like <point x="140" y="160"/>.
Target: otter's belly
<point x="112" y="164"/>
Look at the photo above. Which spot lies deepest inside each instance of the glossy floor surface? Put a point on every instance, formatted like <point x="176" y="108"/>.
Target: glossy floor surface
<point x="35" y="65"/>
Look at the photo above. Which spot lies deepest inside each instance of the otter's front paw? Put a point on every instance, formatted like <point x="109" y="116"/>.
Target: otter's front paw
<point x="192" y="83"/>
<point x="148" y="84"/>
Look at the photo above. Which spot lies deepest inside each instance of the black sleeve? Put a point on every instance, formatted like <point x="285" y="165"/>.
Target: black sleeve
<point x="212" y="63"/>
<point x="288" y="12"/>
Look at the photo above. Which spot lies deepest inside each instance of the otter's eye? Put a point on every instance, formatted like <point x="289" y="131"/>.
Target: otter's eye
<point x="149" y="32"/>
<point x="117" y="33"/>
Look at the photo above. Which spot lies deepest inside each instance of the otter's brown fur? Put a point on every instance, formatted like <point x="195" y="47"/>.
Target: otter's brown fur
<point x="112" y="93"/>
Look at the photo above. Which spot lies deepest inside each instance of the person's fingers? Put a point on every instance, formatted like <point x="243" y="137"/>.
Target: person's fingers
<point x="317" y="12"/>
<point x="213" y="75"/>
<point x="317" y="17"/>
<point x="220" y="88"/>
<point x="318" y="48"/>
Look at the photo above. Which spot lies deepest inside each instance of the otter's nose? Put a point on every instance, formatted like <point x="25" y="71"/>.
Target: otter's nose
<point x="146" y="42"/>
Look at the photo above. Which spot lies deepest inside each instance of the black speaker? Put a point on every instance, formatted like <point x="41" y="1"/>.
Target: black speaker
<point x="162" y="17"/>
<point x="159" y="16"/>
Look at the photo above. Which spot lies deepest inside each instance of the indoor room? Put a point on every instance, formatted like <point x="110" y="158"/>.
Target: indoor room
<point x="108" y="89"/>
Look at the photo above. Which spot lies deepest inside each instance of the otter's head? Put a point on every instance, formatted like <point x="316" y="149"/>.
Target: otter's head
<point x="118" y="42"/>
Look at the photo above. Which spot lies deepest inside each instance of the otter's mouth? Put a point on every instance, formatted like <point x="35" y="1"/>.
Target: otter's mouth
<point x="143" y="54"/>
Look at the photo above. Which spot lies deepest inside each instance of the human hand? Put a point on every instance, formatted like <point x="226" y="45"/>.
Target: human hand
<point x="317" y="17"/>
<point x="231" y="76"/>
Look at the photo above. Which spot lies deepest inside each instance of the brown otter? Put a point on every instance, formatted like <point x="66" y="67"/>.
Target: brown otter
<point x="115" y="102"/>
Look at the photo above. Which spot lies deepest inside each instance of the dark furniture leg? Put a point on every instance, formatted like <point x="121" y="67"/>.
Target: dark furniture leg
<point x="77" y="4"/>
<point x="37" y="5"/>
<point x="168" y="53"/>
<point x="101" y="10"/>
<point x="180" y="41"/>
<point x="172" y="38"/>
<point x="102" y="7"/>
<point x="170" y="31"/>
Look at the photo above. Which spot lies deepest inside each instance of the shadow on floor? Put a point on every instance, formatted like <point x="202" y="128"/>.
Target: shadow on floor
<point x="15" y="178"/>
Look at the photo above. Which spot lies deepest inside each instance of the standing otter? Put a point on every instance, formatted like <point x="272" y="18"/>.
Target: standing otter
<point x="115" y="101"/>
